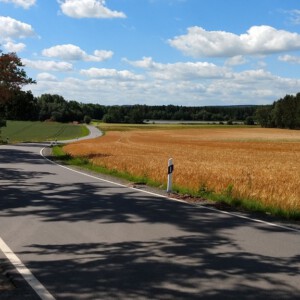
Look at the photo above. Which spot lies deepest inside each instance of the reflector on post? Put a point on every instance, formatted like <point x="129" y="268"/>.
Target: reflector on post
<point x="170" y="175"/>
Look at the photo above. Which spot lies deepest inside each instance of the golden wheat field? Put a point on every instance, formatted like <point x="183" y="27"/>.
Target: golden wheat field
<point x="261" y="164"/>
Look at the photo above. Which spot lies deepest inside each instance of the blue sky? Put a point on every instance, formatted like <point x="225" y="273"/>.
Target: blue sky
<point x="157" y="52"/>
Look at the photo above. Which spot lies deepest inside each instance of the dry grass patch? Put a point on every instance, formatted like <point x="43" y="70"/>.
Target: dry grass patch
<point x="252" y="163"/>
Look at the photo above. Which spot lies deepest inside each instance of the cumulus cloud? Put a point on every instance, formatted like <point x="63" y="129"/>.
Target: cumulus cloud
<point x="45" y="77"/>
<point x="23" y="3"/>
<point x="146" y="62"/>
<point x="247" y="87"/>
<point x="258" y="40"/>
<point x="236" y="61"/>
<point x="11" y="28"/>
<point x="88" y="9"/>
<point x="48" y="65"/>
<point x="111" y="73"/>
<point x="250" y="76"/>
<point x="72" y="52"/>
<point x="14" y="47"/>
<point x="290" y="59"/>
<point x="180" y="70"/>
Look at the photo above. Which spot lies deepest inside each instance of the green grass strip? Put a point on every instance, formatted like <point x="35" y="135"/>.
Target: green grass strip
<point x="84" y="162"/>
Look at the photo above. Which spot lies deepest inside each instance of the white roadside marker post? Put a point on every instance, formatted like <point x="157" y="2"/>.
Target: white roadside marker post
<point x="170" y="175"/>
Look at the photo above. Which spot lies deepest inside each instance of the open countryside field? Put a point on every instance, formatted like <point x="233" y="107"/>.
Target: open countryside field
<point x="256" y="164"/>
<point x="25" y="131"/>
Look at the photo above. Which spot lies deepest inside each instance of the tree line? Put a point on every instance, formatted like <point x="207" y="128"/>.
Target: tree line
<point x="139" y="113"/>
<point x="16" y="104"/>
<point x="24" y="106"/>
<point x="284" y="113"/>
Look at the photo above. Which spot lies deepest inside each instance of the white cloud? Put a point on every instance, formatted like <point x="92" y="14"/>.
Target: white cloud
<point x="88" y="9"/>
<point x="181" y="71"/>
<point x="111" y="73"/>
<point x="236" y="61"/>
<point x="251" y="76"/>
<point x="290" y="59"/>
<point x="48" y="65"/>
<point x="146" y="62"/>
<point x="11" y="28"/>
<point x="14" y="47"/>
<point x="195" y="83"/>
<point x="259" y="40"/>
<point x="248" y="87"/>
<point x="23" y="3"/>
<point x="101" y="55"/>
<point x="72" y="52"/>
<point x="45" y="77"/>
<point x="110" y="86"/>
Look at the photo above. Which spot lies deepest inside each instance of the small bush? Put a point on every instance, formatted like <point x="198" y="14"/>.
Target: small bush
<point x="87" y="119"/>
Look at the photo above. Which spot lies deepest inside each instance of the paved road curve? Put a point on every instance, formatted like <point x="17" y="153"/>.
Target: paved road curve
<point x="84" y="238"/>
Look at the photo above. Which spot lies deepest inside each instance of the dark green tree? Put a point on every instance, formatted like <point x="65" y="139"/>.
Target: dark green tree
<point x="23" y="106"/>
<point x="87" y="119"/>
<point x="286" y="112"/>
<point x="263" y="116"/>
<point x="249" y="121"/>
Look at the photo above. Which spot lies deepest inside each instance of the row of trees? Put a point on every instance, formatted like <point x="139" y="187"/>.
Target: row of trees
<point x="16" y="104"/>
<point x="139" y="113"/>
<point x="24" y="106"/>
<point x="284" y="113"/>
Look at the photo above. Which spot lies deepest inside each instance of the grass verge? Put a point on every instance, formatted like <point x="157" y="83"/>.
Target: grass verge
<point x="250" y="205"/>
<point x="84" y="163"/>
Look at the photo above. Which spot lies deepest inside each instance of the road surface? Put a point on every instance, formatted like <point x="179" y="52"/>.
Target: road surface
<point x="84" y="238"/>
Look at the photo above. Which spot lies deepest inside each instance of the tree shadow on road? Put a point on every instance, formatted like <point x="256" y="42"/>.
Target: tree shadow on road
<point x="188" y="265"/>
<point x="174" y="268"/>
<point x="144" y="247"/>
<point x="14" y="156"/>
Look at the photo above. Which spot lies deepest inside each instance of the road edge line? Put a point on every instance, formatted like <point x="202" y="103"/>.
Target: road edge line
<point x="36" y="285"/>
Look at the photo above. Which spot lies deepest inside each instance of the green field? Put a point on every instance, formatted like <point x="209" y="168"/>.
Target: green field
<point x="24" y="131"/>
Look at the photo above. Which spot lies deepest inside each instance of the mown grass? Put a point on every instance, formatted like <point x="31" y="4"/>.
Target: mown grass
<point x="25" y="131"/>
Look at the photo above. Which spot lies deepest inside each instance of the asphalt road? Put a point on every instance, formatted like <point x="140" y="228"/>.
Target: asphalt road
<point x="84" y="238"/>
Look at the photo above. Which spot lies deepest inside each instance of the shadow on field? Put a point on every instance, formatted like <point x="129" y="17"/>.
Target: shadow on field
<point x="147" y="247"/>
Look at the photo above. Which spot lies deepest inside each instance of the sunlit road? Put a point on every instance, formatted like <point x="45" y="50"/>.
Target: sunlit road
<point x="84" y="238"/>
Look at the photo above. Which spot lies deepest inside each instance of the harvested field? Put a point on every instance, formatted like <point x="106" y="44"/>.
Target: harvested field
<point x="248" y="163"/>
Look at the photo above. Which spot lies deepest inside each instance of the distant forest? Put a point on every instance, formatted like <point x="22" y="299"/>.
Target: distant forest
<point x="284" y="113"/>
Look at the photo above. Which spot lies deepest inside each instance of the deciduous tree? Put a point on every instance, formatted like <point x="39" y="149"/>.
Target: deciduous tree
<point x="12" y="76"/>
